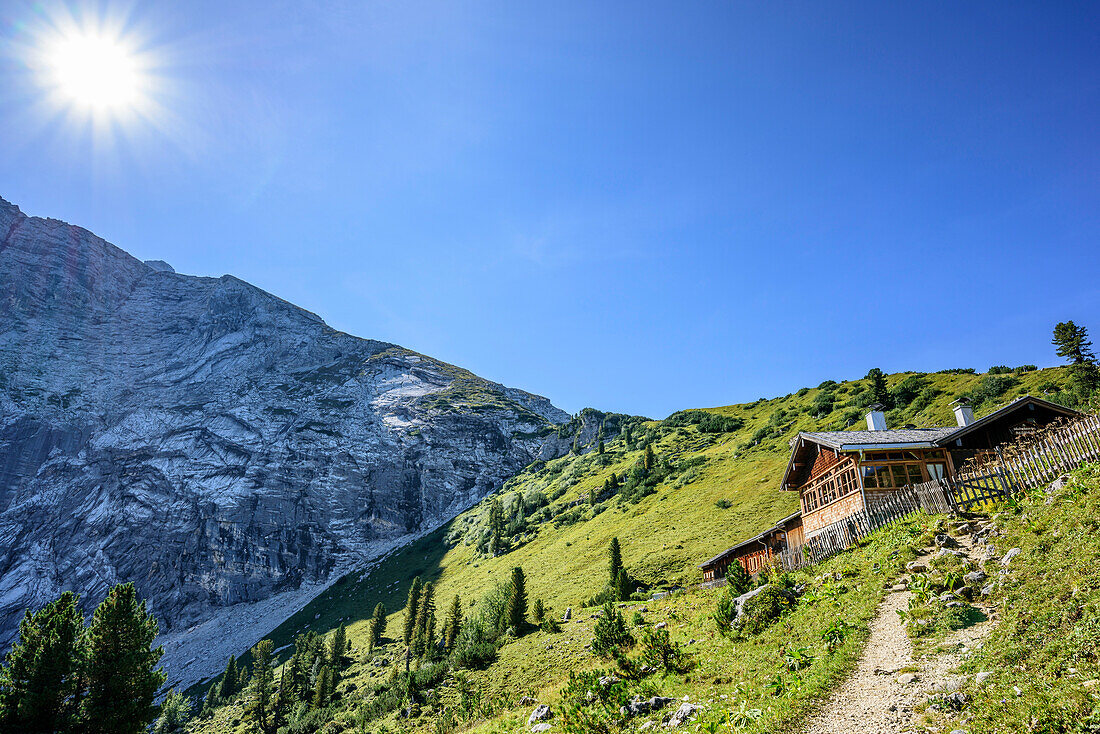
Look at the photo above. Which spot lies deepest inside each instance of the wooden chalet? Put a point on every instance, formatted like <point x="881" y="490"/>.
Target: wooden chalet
<point x="757" y="552"/>
<point x="839" y="473"/>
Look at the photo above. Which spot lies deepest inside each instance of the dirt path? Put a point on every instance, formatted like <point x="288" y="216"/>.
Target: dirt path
<point x="878" y="698"/>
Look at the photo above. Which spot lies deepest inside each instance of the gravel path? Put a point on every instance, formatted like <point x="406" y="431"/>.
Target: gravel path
<point x="877" y="698"/>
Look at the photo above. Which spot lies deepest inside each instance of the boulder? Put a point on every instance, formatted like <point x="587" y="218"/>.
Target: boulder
<point x="974" y="577"/>
<point x="1009" y="556"/>
<point x="906" y="679"/>
<point x="983" y="676"/>
<point x="987" y="590"/>
<point x="943" y="540"/>
<point x="541" y="713"/>
<point x="541" y="727"/>
<point x="916" y="567"/>
<point x="568" y="614"/>
<point x="661" y="625"/>
<point x="685" y="712"/>
<point x="638" y="705"/>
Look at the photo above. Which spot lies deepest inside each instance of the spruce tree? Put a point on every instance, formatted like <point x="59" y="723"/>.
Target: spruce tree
<point x="282" y="704"/>
<point x="260" y="709"/>
<point x="614" y="562"/>
<point x="516" y="610"/>
<point x="39" y="684"/>
<point x="538" y="612"/>
<point x="453" y="624"/>
<point x="411" y="605"/>
<point x="1073" y="343"/>
<point x="174" y="713"/>
<point x="738" y="579"/>
<point x="338" y="646"/>
<point x="599" y="447"/>
<point x="649" y="463"/>
<point x="425" y="621"/>
<point x="322" y="689"/>
<point x="879" y="393"/>
<point x="377" y="624"/>
<point x="230" y="683"/>
<point x="623" y="587"/>
<point x="496" y="527"/>
<point x="121" y="673"/>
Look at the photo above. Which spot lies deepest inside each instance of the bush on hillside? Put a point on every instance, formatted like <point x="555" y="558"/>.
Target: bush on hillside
<point x="659" y="651"/>
<point x="610" y="635"/>
<point x="760" y="611"/>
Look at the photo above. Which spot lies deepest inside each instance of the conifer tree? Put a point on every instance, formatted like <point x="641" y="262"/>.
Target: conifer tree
<point x="538" y="612"/>
<point x="576" y="447"/>
<point x="338" y="646"/>
<point x="282" y="704"/>
<point x="628" y="438"/>
<point x="650" y="461"/>
<point x="121" y="674"/>
<point x="377" y="624"/>
<point x="174" y="713"/>
<point x="260" y="710"/>
<point x="879" y="393"/>
<point x="411" y="605"/>
<point x="453" y="624"/>
<point x="516" y="610"/>
<point x="1073" y="343"/>
<point x="614" y="562"/>
<point x="738" y="579"/>
<point x="322" y="689"/>
<point x="39" y="684"/>
<point x="599" y="447"/>
<point x="425" y="621"/>
<point x="230" y="683"/>
<point x="624" y="587"/>
<point x="496" y="527"/>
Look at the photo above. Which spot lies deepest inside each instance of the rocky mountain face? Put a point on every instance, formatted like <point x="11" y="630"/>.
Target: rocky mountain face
<point x="213" y="443"/>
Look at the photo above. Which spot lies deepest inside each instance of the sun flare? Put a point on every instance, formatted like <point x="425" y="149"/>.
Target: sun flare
<point x="94" y="72"/>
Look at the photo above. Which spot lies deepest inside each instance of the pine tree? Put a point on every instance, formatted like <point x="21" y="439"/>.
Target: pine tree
<point x="624" y="587"/>
<point x="174" y="713"/>
<point x="1073" y="343"/>
<point x="453" y="624"/>
<point x="338" y="646"/>
<point x="425" y="621"/>
<point x="211" y="701"/>
<point x="614" y="562"/>
<point x="39" y="685"/>
<point x="496" y="527"/>
<point x="879" y="393"/>
<point x="516" y="610"/>
<point x="230" y="683"/>
<point x="121" y="674"/>
<point x="599" y="447"/>
<point x="538" y="612"/>
<point x="738" y="579"/>
<point x="650" y="461"/>
<point x="377" y="625"/>
<point x="282" y="704"/>
<point x="260" y="709"/>
<point x="411" y="608"/>
<point x="322" y="689"/>
<point x="628" y="438"/>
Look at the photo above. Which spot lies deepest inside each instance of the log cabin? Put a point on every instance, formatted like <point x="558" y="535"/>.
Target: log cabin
<point x="757" y="552"/>
<point x="839" y="473"/>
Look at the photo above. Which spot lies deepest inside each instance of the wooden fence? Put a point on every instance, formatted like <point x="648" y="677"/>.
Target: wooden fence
<point x="1029" y="463"/>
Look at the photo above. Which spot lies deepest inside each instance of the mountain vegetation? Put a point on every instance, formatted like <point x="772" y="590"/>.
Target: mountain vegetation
<point x="660" y="497"/>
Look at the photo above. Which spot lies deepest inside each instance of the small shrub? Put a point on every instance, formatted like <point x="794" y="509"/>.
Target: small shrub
<point x="723" y="504"/>
<point x="659" y="651"/>
<point x="610" y="634"/>
<point x="760" y="611"/>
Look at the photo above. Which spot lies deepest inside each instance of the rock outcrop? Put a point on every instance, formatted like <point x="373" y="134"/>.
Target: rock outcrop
<point x="213" y="443"/>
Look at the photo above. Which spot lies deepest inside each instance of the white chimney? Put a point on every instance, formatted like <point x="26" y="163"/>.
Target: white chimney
<point x="964" y="414"/>
<point x="876" y="419"/>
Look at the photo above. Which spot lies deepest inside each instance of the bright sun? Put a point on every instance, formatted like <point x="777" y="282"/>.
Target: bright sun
<point x="96" y="73"/>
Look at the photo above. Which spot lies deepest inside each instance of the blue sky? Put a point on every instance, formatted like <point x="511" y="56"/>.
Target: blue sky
<point x="636" y="206"/>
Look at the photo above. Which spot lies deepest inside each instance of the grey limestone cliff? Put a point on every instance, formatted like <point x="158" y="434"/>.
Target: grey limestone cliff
<point x="213" y="443"/>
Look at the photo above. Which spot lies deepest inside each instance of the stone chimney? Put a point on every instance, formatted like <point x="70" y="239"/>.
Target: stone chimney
<point x="876" y="419"/>
<point x="964" y="414"/>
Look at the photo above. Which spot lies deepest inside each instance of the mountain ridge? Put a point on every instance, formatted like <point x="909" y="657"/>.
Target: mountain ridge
<point x="213" y="442"/>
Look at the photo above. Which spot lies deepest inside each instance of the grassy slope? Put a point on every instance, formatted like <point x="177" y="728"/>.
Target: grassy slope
<point x="1048" y="642"/>
<point x="664" y="536"/>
